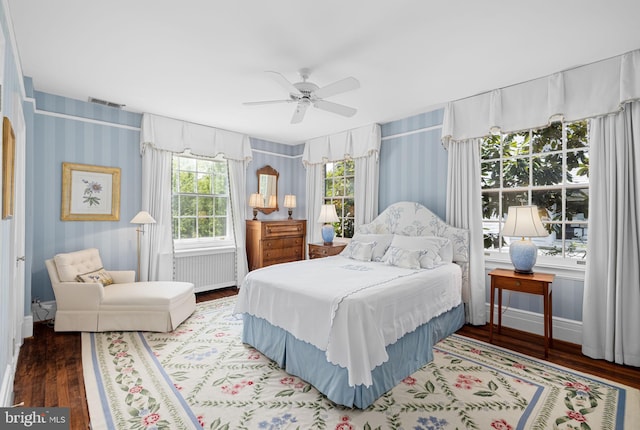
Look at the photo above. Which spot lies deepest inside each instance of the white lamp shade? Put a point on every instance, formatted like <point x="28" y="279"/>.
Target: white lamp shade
<point x="289" y="201"/>
<point x="273" y="201"/>
<point x="143" y="217"/>
<point x="523" y="221"/>
<point x="328" y="214"/>
<point x="255" y="200"/>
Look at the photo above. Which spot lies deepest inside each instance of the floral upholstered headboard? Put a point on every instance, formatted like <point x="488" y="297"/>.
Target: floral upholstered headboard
<point x="413" y="219"/>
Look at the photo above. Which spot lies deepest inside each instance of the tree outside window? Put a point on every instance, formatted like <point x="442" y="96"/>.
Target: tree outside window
<point x="548" y="168"/>
<point x="200" y="200"/>
<point x="339" y="178"/>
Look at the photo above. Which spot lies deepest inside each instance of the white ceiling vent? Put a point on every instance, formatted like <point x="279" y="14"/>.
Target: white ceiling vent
<point x="106" y="103"/>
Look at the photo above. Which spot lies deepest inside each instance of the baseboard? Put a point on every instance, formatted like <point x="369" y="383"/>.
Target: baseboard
<point x="40" y="312"/>
<point x="563" y="329"/>
<point x="6" y="391"/>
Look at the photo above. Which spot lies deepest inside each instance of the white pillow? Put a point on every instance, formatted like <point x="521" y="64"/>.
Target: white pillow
<point x="380" y="243"/>
<point x="358" y="250"/>
<point x="401" y="257"/>
<point x="428" y="246"/>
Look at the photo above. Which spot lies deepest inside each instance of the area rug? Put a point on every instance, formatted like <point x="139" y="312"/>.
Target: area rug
<point x="203" y="376"/>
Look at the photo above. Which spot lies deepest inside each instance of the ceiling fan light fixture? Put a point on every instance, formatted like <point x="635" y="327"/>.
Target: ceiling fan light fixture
<point x="307" y="94"/>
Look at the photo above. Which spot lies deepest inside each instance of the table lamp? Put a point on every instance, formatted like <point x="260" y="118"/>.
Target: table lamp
<point x="328" y="216"/>
<point x="290" y="203"/>
<point x="523" y="221"/>
<point x="255" y="201"/>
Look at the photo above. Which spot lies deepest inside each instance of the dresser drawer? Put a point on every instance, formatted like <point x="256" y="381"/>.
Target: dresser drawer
<point x="289" y="254"/>
<point x="321" y="250"/>
<point x="523" y="285"/>
<point x="281" y="230"/>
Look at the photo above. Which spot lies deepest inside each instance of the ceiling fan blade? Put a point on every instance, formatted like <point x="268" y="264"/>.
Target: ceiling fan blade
<point x="335" y="108"/>
<point x="285" y="83"/>
<point x="267" y="102"/>
<point x="301" y="108"/>
<point x="346" y="84"/>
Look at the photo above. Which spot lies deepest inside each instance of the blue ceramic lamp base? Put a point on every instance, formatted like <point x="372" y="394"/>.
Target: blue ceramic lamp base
<point x="328" y="234"/>
<point x="523" y="255"/>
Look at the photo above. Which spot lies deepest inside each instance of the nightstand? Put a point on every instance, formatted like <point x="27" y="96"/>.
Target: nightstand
<point x="319" y="250"/>
<point x="535" y="283"/>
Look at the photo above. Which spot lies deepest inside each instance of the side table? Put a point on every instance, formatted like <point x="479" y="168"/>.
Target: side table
<point x="535" y="283"/>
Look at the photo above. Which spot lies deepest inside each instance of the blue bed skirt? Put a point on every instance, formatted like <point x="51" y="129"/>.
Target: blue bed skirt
<point x="309" y="363"/>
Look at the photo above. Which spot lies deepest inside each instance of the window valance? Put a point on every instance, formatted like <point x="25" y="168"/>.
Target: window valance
<point x="351" y="144"/>
<point x="177" y="136"/>
<point x="584" y="92"/>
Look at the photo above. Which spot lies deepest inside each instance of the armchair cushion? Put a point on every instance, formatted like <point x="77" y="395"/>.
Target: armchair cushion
<point x="100" y="275"/>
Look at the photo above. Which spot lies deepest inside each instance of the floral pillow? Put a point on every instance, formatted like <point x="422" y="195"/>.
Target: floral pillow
<point x="431" y="248"/>
<point x="380" y="243"/>
<point x="401" y="257"/>
<point x="358" y="250"/>
<point x="99" y="275"/>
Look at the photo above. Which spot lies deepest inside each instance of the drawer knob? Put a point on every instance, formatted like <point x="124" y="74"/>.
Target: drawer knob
<point x="517" y="283"/>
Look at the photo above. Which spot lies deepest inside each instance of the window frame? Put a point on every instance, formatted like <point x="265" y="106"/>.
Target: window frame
<point x="200" y="243"/>
<point x="500" y="255"/>
<point x="338" y="200"/>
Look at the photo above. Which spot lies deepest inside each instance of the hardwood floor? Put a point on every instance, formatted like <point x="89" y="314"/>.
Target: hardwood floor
<point x="50" y="364"/>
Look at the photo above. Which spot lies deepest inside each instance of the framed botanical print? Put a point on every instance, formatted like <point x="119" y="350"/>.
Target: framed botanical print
<point x="8" y="168"/>
<point x="90" y="193"/>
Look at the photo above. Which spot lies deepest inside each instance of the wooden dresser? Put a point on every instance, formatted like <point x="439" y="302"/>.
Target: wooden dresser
<point x="272" y="242"/>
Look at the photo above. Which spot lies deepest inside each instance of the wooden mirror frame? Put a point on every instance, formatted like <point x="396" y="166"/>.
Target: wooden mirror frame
<point x="270" y="171"/>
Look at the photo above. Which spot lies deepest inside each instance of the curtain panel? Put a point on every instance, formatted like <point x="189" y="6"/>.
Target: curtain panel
<point x="160" y="138"/>
<point x="464" y="210"/>
<point x="611" y="305"/>
<point x="583" y="92"/>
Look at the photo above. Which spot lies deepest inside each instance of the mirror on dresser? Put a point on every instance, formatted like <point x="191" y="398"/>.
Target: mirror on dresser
<point x="268" y="189"/>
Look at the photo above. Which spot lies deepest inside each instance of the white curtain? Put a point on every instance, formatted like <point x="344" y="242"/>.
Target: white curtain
<point x="160" y="138"/>
<point x="156" y="255"/>
<point x="237" y="189"/>
<point x="583" y="92"/>
<point x="611" y="307"/>
<point x="315" y="198"/>
<point x="362" y="145"/>
<point x="366" y="189"/>
<point x="464" y="210"/>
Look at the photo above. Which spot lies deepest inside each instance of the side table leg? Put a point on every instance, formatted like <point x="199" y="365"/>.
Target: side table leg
<point x="491" y="313"/>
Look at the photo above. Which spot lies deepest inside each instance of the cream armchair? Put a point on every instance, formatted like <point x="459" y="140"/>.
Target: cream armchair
<point x="112" y="300"/>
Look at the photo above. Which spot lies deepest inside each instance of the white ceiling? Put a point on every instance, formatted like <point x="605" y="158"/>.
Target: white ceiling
<point x="199" y="60"/>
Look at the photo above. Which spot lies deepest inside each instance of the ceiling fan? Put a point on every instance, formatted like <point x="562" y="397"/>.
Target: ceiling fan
<point x="306" y="93"/>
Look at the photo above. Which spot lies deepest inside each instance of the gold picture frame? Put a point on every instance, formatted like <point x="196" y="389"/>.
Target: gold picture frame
<point x="90" y="193"/>
<point x="8" y="168"/>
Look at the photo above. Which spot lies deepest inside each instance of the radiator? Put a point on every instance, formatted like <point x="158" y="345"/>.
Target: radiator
<point x="207" y="271"/>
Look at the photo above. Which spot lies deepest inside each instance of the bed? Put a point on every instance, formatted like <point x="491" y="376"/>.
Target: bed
<point x="354" y="325"/>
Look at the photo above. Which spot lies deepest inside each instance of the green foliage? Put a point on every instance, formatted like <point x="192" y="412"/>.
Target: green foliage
<point x="531" y="163"/>
<point x="200" y="198"/>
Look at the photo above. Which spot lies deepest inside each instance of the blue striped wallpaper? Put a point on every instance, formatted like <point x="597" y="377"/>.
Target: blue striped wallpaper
<point x="413" y="166"/>
<point x="70" y="139"/>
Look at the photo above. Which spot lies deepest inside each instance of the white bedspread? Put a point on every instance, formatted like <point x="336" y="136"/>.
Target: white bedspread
<point x="348" y="308"/>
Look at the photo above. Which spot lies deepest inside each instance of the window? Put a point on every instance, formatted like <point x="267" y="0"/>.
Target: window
<point x="548" y="168"/>
<point x="200" y="201"/>
<point x="339" y="179"/>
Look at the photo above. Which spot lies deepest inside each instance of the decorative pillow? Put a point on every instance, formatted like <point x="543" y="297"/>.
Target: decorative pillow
<point x="358" y="250"/>
<point x="402" y="258"/>
<point x="99" y="275"/>
<point x="428" y="246"/>
<point x="380" y="243"/>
